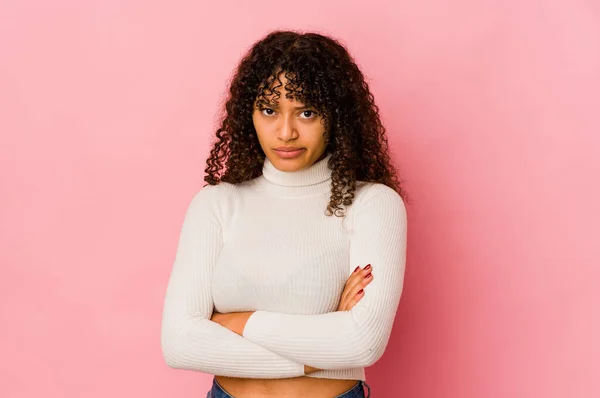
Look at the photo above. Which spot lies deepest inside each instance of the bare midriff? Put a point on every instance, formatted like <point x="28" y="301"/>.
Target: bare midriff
<point x="297" y="387"/>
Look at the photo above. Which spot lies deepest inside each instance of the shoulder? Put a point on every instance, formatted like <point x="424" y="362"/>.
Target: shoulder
<point x="207" y="195"/>
<point x="211" y="197"/>
<point x="370" y="194"/>
<point x="375" y="204"/>
<point x="220" y="200"/>
<point x="215" y="194"/>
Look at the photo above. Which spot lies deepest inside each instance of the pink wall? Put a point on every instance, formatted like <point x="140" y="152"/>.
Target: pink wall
<point x="106" y="108"/>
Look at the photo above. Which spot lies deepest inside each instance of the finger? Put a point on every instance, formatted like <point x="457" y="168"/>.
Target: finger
<point x="357" y="289"/>
<point x="350" y="283"/>
<point x="356" y="284"/>
<point x="357" y="279"/>
<point x="351" y="293"/>
<point x="346" y="305"/>
<point x="347" y="294"/>
<point x="354" y="300"/>
<point x="343" y="306"/>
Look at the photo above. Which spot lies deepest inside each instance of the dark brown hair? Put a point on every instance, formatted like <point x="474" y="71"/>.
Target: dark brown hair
<point x="321" y="73"/>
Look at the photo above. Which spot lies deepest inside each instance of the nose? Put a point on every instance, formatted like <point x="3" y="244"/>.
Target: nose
<point x="287" y="130"/>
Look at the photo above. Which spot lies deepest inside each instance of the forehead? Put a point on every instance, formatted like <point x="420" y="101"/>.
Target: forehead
<point x="278" y="88"/>
<point x="274" y="99"/>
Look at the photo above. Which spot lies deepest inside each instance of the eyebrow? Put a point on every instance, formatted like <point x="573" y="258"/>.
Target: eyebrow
<point x="276" y="105"/>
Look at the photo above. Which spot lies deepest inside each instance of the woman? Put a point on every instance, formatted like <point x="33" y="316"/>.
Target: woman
<point x="291" y="261"/>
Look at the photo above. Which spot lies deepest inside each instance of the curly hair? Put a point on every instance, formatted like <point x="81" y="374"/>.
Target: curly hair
<point x="321" y="73"/>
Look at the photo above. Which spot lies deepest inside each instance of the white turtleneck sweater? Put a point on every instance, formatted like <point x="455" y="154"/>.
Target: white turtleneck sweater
<point x="267" y="246"/>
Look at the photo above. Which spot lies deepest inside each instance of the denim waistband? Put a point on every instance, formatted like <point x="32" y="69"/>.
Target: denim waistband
<point x="358" y="391"/>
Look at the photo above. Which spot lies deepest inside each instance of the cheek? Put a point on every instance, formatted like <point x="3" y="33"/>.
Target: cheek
<point x="316" y="134"/>
<point x="259" y="128"/>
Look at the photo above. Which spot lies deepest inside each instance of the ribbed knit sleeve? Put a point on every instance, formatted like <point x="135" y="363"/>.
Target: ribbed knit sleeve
<point x="189" y="339"/>
<point x="355" y="338"/>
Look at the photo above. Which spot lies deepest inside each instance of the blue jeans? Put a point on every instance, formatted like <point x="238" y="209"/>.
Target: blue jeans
<point x="355" y="392"/>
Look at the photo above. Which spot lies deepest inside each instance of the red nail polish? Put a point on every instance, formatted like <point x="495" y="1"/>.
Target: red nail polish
<point x="357" y="268"/>
<point x="360" y="292"/>
<point x="368" y="267"/>
<point x="368" y="276"/>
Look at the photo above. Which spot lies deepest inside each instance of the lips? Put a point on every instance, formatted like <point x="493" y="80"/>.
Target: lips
<point x="288" y="152"/>
<point x="288" y="149"/>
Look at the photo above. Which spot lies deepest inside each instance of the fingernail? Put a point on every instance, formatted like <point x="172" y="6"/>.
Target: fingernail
<point x="368" y="276"/>
<point x="361" y="291"/>
<point x="357" y="268"/>
<point x="368" y="267"/>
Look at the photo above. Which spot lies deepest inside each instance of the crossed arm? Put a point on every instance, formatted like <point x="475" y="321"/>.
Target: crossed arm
<point x="236" y="321"/>
<point x="264" y="344"/>
<point x="189" y="339"/>
<point x="353" y="292"/>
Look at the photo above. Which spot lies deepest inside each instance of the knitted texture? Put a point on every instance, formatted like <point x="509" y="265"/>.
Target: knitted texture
<point x="267" y="246"/>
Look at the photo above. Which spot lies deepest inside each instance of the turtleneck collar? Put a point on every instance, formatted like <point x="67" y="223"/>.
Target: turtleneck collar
<point x="316" y="173"/>
<point x="312" y="180"/>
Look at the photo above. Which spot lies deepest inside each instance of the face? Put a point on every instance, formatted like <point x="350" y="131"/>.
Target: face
<point x="290" y="133"/>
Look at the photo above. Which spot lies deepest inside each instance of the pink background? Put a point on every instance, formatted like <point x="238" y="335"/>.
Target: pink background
<point x="106" y="111"/>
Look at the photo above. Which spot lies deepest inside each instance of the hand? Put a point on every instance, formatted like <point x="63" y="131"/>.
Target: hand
<point x="219" y="318"/>
<point x="234" y="321"/>
<point x="353" y="292"/>
<point x="354" y="289"/>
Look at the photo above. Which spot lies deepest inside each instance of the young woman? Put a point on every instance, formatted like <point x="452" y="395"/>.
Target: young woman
<point x="290" y="262"/>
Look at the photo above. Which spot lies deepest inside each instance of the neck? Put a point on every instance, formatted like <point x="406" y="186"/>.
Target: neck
<point x="314" y="179"/>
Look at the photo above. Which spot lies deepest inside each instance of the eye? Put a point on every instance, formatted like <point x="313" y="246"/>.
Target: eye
<point x="267" y="111"/>
<point x="308" y="114"/>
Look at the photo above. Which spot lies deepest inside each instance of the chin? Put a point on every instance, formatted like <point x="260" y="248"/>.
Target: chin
<point x="286" y="165"/>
